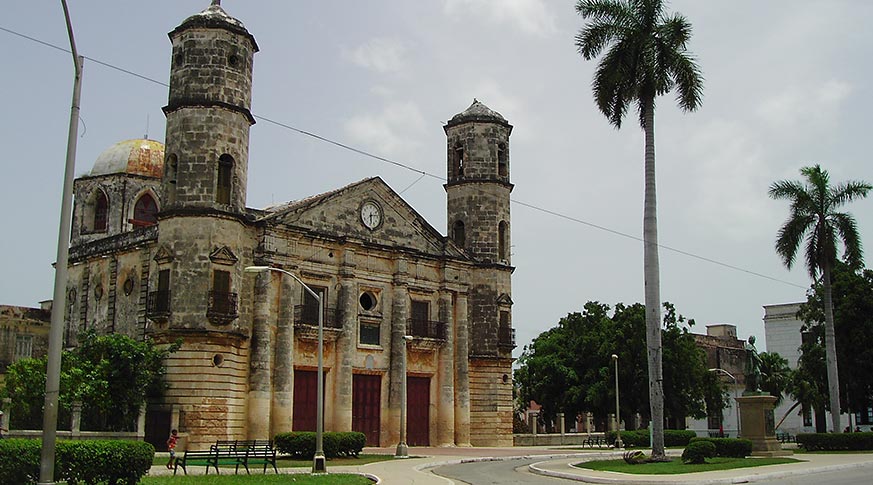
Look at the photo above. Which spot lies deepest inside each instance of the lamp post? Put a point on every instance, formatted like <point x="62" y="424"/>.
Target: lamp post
<point x="717" y="369"/>
<point x="318" y="461"/>
<point x="618" y="443"/>
<point x="56" y="331"/>
<point x="402" y="448"/>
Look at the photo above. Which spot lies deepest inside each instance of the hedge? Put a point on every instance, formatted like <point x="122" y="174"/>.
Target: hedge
<point x="85" y="461"/>
<point x="728" y="447"/>
<point x="301" y="444"/>
<point x="640" y="437"/>
<point x="835" y="441"/>
<point x="697" y="452"/>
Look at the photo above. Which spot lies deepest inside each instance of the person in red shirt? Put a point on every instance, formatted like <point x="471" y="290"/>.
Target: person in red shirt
<point x="171" y="447"/>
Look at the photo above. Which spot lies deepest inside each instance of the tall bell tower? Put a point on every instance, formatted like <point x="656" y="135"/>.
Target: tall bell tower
<point x="197" y="291"/>
<point x="477" y="191"/>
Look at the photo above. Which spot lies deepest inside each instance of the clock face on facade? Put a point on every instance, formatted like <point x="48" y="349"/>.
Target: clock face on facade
<point x="371" y="214"/>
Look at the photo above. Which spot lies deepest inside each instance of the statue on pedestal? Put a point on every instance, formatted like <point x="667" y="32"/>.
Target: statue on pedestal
<point x="753" y="367"/>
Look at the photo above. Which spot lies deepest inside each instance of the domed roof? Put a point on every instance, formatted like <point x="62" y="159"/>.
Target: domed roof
<point x="215" y="17"/>
<point x="139" y="156"/>
<point x="477" y="112"/>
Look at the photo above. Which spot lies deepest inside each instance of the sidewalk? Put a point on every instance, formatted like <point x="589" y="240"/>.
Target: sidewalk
<point x="557" y="462"/>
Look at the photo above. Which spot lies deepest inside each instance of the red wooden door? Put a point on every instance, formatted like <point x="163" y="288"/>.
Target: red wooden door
<point x="305" y="400"/>
<point x="418" y="411"/>
<point x="366" y="397"/>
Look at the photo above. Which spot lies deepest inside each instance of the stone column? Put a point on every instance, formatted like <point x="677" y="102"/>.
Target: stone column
<point x="345" y="344"/>
<point x="260" y="365"/>
<point x="446" y="394"/>
<point x="140" y="423"/>
<point x="561" y="423"/>
<point x="462" y="372"/>
<point x="399" y="315"/>
<point x="283" y="360"/>
<point x="76" y="419"/>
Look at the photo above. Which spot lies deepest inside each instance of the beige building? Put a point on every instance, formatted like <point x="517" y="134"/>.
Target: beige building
<point x="162" y="236"/>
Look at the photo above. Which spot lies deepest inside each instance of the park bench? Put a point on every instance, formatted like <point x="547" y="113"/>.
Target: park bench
<point x="784" y="437"/>
<point x="230" y="452"/>
<point x="598" y="441"/>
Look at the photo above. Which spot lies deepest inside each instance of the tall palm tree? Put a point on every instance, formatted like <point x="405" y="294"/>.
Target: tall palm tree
<point x="814" y="219"/>
<point x="646" y="57"/>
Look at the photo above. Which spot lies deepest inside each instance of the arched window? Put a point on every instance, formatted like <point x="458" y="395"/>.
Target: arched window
<point x="171" y="173"/>
<point x="502" y="165"/>
<point x="458" y="233"/>
<point x="225" y="179"/>
<point x="97" y="212"/>
<point x="145" y="211"/>
<point x="458" y="161"/>
<point x="501" y="241"/>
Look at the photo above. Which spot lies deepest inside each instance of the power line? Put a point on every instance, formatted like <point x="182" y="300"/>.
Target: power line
<point x="423" y="173"/>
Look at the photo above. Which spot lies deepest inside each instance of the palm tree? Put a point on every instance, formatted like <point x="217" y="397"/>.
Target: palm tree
<point x="814" y="219"/>
<point x="775" y="375"/>
<point x="646" y="58"/>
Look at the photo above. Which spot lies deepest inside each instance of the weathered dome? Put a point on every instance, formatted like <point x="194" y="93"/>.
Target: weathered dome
<point x="139" y="156"/>
<point x="215" y="17"/>
<point x="477" y="112"/>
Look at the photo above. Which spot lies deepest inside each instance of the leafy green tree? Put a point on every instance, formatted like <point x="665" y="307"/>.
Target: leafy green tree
<point x="852" y="292"/>
<point x="569" y="369"/>
<point x="814" y="219"/>
<point x="646" y="58"/>
<point x="775" y="375"/>
<point x="111" y="375"/>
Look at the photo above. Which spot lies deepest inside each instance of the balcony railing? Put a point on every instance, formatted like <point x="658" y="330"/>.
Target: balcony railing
<point x="427" y="329"/>
<point x="222" y="307"/>
<point x="158" y="305"/>
<point x="506" y="337"/>
<point x="308" y="315"/>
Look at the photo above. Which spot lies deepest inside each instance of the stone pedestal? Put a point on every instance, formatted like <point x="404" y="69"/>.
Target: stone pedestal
<point x="758" y="424"/>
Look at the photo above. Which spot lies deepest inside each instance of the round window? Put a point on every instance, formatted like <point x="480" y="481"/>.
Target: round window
<point x="217" y="360"/>
<point x="368" y="300"/>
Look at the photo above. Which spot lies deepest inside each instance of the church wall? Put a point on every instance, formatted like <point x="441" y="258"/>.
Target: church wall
<point x="121" y="190"/>
<point x="491" y="402"/>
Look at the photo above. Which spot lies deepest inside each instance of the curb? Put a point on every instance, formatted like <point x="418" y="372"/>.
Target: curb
<point x="625" y="478"/>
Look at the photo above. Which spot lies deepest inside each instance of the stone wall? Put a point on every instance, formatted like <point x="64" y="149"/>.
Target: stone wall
<point x="491" y="402"/>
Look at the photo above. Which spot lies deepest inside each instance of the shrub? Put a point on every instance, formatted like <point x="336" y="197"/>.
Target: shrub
<point x="697" y="452"/>
<point x="632" y="439"/>
<point x="729" y="447"/>
<point x="678" y="437"/>
<point x="835" y="441"/>
<point x="301" y="444"/>
<point x="87" y="461"/>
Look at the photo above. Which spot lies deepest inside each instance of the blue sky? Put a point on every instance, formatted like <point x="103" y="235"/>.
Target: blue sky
<point x="787" y="84"/>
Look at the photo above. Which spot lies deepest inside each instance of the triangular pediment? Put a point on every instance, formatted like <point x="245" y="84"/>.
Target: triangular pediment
<point x="368" y="211"/>
<point x="163" y="255"/>
<point x="504" y="300"/>
<point x="223" y="255"/>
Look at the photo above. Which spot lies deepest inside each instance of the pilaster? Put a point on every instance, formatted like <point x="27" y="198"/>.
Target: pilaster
<point x="445" y="435"/>
<point x="260" y="364"/>
<point x="399" y="315"/>
<point x="462" y="372"/>
<point x="345" y="344"/>
<point x="283" y="360"/>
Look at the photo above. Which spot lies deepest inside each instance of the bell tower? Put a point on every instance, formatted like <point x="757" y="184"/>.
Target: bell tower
<point x="477" y="206"/>
<point x="208" y="113"/>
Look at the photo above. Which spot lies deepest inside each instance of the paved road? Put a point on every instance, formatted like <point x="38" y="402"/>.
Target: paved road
<point x="509" y="472"/>
<point x="853" y="476"/>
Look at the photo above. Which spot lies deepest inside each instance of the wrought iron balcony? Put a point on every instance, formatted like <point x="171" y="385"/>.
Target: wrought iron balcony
<point x="506" y="337"/>
<point x="222" y="307"/>
<point x="158" y="305"/>
<point x="427" y="329"/>
<point x="308" y="315"/>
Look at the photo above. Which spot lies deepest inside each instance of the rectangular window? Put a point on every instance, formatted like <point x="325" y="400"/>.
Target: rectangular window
<point x="162" y="296"/>
<point x="807" y="416"/>
<point x="225" y="178"/>
<point x="370" y="334"/>
<point x="221" y="292"/>
<point x="420" y="319"/>
<point x="309" y="315"/>
<point x="23" y="347"/>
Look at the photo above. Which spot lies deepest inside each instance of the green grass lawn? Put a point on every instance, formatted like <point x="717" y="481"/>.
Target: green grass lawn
<point x="296" y="479"/>
<point x="676" y="466"/>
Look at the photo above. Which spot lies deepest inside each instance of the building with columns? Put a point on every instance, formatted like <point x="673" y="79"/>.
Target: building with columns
<point x="162" y="236"/>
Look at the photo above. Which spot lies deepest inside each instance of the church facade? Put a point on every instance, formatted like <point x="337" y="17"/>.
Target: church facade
<point x="162" y="238"/>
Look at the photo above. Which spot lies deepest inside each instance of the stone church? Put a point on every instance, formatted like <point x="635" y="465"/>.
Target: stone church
<point x="162" y="237"/>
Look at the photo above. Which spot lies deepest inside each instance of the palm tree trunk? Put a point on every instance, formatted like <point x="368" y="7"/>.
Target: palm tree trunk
<point x="831" y="349"/>
<point x="651" y="268"/>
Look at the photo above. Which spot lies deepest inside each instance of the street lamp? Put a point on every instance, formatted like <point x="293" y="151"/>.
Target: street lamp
<point x="717" y="369"/>
<point x="402" y="449"/>
<point x="618" y="443"/>
<point x="318" y="461"/>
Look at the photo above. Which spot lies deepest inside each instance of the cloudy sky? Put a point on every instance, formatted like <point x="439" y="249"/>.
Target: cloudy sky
<point x="788" y="84"/>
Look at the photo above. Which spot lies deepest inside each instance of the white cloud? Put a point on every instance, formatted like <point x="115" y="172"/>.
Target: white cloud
<point x="805" y="103"/>
<point x="394" y="131"/>
<point x="379" y="54"/>
<point x="531" y="16"/>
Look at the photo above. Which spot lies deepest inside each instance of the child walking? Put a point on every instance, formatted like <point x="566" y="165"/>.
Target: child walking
<point x="171" y="447"/>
